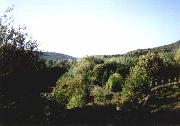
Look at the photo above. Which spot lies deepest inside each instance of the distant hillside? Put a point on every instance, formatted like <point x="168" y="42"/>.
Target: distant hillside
<point x="138" y="52"/>
<point x="165" y="48"/>
<point x="56" y="56"/>
<point x="170" y="47"/>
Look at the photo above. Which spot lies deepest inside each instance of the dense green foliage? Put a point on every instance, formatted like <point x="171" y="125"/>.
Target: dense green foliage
<point x="138" y="81"/>
<point x="141" y="77"/>
<point x="129" y="79"/>
<point x="88" y="72"/>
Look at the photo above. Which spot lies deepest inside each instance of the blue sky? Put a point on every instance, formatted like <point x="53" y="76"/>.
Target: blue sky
<point x="89" y="27"/>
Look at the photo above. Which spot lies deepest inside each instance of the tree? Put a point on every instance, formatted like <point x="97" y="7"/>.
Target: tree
<point x="139" y="81"/>
<point x="18" y="52"/>
<point x="20" y="62"/>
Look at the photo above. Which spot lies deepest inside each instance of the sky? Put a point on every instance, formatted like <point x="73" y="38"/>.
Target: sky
<point x="96" y="27"/>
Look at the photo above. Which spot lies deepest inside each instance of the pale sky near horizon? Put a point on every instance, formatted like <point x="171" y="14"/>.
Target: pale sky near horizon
<point x="95" y="27"/>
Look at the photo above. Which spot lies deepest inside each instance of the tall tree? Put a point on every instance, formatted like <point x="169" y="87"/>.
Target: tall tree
<point x="19" y="62"/>
<point x="18" y="52"/>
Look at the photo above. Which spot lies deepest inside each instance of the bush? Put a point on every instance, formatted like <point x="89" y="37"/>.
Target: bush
<point x="69" y="86"/>
<point x="76" y="101"/>
<point x="99" y="94"/>
<point x="115" y="82"/>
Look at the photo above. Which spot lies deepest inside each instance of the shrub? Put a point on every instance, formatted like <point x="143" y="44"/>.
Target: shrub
<point x="99" y="94"/>
<point x="76" y="101"/>
<point x="69" y="86"/>
<point x="115" y="82"/>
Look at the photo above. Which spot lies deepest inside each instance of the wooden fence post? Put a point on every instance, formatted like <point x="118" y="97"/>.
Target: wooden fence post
<point x="175" y="80"/>
<point x="169" y="81"/>
<point x="162" y="81"/>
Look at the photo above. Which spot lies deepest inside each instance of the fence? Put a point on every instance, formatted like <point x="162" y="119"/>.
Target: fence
<point x="166" y="83"/>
